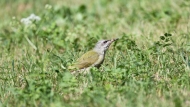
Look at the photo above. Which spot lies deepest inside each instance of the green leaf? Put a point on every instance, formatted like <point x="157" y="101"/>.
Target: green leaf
<point x="162" y="37"/>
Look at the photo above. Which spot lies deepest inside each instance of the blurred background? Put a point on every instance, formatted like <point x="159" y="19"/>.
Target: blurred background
<point x="148" y="66"/>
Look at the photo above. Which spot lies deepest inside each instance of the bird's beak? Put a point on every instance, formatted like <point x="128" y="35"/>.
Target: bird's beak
<point x="112" y="40"/>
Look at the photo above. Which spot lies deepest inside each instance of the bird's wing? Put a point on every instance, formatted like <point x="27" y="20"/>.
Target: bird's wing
<point x="87" y="59"/>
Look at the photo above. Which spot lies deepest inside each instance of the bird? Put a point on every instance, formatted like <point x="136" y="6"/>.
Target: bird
<point x="92" y="58"/>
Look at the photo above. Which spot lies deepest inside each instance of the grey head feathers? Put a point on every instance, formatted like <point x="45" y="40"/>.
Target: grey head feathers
<point x="102" y="46"/>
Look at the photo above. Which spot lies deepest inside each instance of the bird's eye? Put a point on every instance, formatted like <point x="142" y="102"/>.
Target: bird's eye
<point x="105" y="41"/>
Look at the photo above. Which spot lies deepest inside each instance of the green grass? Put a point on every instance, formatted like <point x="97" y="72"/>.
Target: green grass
<point x="147" y="67"/>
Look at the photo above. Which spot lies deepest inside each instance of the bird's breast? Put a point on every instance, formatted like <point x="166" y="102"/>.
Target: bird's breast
<point x="99" y="61"/>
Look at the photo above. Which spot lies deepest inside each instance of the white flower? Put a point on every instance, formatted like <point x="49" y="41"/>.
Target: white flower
<point x="26" y="21"/>
<point x="33" y="17"/>
<point x="30" y="19"/>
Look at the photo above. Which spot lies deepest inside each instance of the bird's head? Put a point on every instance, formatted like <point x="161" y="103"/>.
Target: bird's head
<point x="103" y="45"/>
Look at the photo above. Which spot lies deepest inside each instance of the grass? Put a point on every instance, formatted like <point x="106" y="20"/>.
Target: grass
<point x="148" y="66"/>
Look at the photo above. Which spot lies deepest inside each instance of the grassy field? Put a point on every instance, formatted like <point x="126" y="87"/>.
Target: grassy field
<point x="147" y="67"/>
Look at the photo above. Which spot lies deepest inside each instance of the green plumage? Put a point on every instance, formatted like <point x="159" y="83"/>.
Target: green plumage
<point x="86" y="60"/>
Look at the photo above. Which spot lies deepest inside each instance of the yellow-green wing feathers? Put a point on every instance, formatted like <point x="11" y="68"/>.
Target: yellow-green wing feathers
<point x="86" y="60"/>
